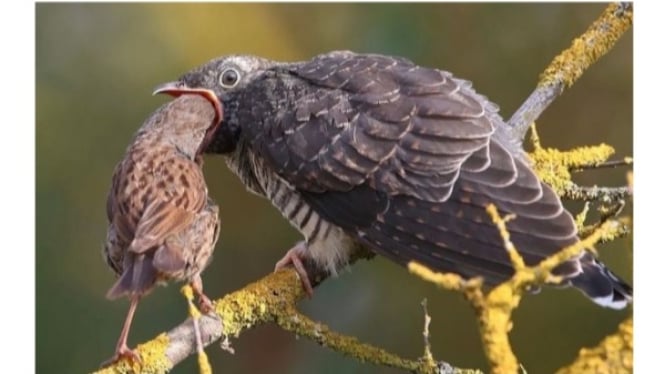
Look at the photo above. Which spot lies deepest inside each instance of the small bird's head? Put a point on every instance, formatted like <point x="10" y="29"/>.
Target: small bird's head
<point x="226" y="77"/>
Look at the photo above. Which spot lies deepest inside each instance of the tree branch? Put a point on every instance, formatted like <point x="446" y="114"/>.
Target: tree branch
<point x="626" y="161"/>
<point x="613" y="355"/>
<point x="570" y="64"/>
<point x="271" y="299"/>
<point x="494" y="308"/>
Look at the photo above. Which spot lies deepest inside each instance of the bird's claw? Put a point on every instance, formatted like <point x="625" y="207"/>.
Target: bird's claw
<point x="123" y="353"/>
<point x="294" y="256"/>
<point x="205" y="305"/>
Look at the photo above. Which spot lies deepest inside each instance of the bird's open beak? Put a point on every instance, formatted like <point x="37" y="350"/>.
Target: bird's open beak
<point x="177" y="88"/>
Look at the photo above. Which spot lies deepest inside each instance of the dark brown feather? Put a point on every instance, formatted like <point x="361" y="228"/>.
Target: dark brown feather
<point x="395" y="141"/>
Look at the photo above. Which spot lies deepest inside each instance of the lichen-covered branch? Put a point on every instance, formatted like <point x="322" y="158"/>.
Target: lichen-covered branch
<point x="554" y="167"/>
<point x="626" y="161"/>
<point x="614" y="355"/>
<point x="570" y="64"/>
<point x="494" y="308"/>
<point x="303" y="326"/>
<point x="251" y="306"/>
<point x="272" y="299"/>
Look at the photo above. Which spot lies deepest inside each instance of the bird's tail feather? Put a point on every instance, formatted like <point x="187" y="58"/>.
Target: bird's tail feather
<point x="138" y="277"/>
<point x="602" y="286"/>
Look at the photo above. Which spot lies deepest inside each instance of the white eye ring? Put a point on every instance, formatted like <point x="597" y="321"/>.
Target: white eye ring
<point x="229" y="78"/>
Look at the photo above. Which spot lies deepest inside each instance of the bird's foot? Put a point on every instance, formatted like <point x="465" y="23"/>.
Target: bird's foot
<point x="294" y="256"/>
<point x="205" y="305"/>
<point x="122" y="352"/>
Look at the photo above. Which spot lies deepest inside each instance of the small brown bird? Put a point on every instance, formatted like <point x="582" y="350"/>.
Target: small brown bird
<point x="162" y="225"/>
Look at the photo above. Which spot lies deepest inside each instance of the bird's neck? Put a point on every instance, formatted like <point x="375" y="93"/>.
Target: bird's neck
<point x="154" y="141"/>
<point x="240" y="163"/>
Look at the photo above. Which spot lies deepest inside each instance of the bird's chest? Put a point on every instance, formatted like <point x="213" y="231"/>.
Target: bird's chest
<point x="261" y="180"/>
<point x="327" y="243"/>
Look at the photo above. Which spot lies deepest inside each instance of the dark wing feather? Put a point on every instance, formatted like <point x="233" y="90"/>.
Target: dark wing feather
<point x="348" y="120"/>
<point x="404" y="158"/>
<point x="456" y="235"/>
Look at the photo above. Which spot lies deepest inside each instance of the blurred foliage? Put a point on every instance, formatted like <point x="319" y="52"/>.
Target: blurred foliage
<point x="96" y="67"/>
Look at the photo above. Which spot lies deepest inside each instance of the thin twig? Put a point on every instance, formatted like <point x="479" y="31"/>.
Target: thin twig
<point x="427" y="355"/>
<point x="607" y="195"/>
<point x="302" y="325"/>
<point x="627" y="161"/>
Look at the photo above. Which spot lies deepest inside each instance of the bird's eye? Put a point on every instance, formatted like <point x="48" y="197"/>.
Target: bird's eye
<point x="229" y="78"/>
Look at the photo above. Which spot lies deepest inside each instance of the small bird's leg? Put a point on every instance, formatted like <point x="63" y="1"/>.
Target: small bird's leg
<point x="205" y="305"/>
<point x="121" y="349"/>
<point x="294" y="256"/>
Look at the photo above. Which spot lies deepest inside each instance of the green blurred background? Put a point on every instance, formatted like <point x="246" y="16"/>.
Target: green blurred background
<point x="96" y="67"/>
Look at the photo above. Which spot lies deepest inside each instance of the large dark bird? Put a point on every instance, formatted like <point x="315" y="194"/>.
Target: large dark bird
<point x="364" y="149"/>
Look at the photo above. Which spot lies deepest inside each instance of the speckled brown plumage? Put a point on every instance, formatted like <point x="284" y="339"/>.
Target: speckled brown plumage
<point x="162" y="225"/>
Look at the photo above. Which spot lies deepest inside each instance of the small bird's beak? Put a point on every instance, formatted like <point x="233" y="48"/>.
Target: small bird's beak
<point x="178" y="88"/>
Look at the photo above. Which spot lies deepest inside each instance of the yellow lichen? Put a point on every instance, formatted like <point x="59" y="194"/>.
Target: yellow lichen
<point x="500" y="222"/>
<point x="535" y="138"/>
<point x="448" y="281"/>
<point x="553" y="166"/>
<point x="153" y="355"/>
<point x="494" y="309"/>
<point x="581" y="217"/>
<point x="598" y="39"/>
<point x="257" y="302"/>
<point x="153" y="359"/>
<point x="204" y="364"/>
<point x="614" y="355"/>
<point x="615" y="228"/>
<point x="187" y="291"/>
